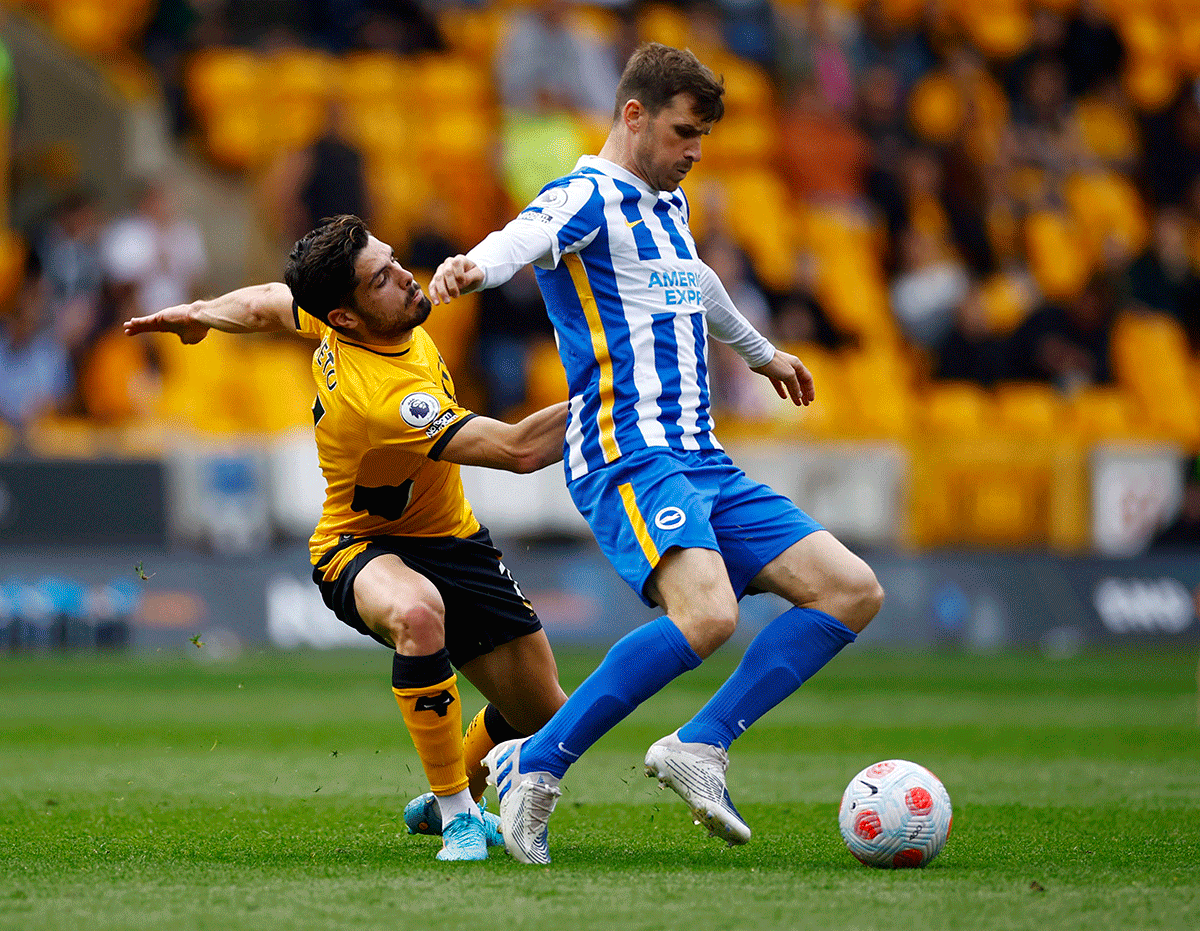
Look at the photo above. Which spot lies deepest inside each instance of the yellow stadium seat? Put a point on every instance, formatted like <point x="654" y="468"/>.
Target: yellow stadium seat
<point x="936" y="110"/>
<point x="748" y="88"/>
<point x="1146" y="36"/>
<point x="1058" y="257"/>
<point x="1108" y="131"/>
<point x="218" y="78"/>
<point x="375" y="79"/>
<point x="999" y="29"/>
<point x="661" y="23"/>
<point x="1006" y="301"/>
<point x="1097" y="414"/>
<point x="1029" y="410"/>
<point x="1107" y="205"/>
<point x="547" y="382"/>
<point x="451" y="81"/>
<point x="473" y="33"/>
<point x="1151" y="83"/>
<point x="1187" y="45"/>
<point x="959" y="409"/>
<point x="744" y="142"/>
<point x="1009" y="510"/>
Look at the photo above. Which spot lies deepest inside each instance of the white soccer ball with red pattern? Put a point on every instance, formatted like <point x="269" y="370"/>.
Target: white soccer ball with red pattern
<point x="895" y="814"/>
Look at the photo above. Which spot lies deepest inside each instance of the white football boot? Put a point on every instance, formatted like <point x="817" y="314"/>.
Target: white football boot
<point x="697" y="773"/>
<point x="526" y="802"/>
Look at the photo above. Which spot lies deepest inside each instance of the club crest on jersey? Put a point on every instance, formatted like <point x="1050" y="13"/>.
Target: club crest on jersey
<point x="669" y="519"/>
<point x="555" y="197"/>
<point x="419" y="409"/>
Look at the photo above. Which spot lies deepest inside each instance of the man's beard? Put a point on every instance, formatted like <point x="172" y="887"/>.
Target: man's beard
<point x="416" y="314"/>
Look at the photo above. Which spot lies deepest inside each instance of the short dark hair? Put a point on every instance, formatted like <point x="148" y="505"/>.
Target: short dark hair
<point x="320" y="270"/>
<point x="655" y="73"/>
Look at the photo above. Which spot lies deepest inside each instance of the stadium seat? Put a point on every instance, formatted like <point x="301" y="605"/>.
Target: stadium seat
<point x="1029" y="410"/>
<point x="547" y="382"/>
<point x="657" y="22"/>
<point x="1151" y="83"/>
<point x="936" y="109"/>
<point x="959" y="409"/>
<point x="998" y="28"/>
<point x="1058" y="257"/>
<point x="1108" y="131"/>
<point x="13" y="252"/>
<point x="1097" y="414"/>
<point x="218" y="78"/>
<point x="1006" y="300"/>
<point x="1104" y="205"/>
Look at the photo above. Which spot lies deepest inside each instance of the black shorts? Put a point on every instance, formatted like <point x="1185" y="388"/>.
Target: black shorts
<point x="484" y="605"/>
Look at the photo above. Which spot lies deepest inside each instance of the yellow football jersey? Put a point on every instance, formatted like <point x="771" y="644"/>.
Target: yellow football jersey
<point x="382" y="417"/>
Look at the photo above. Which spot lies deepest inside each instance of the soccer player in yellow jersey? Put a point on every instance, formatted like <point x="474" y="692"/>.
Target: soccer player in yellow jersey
<point x="398" y="554"/>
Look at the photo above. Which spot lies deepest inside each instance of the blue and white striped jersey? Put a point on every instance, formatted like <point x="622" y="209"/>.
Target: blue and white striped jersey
<point x="631" y="305"/>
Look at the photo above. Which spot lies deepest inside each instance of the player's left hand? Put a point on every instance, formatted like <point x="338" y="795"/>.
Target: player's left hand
<point x="178" y="320"/>
<point x="790" y="378"/>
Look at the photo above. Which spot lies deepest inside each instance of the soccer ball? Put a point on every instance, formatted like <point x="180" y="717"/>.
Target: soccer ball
<point x="895" y="814"/>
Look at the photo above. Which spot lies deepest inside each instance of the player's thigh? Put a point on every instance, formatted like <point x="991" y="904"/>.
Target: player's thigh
<point x="520" y="678"/>
<point x="692" y="586"/>
<point x="399" y="603"/>
<point x="820" y="572"/>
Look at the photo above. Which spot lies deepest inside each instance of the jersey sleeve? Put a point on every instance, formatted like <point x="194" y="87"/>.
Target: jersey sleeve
<point x="415" y="416"/>
<point x="307" y="324"/>
<point x="565" y="217"/>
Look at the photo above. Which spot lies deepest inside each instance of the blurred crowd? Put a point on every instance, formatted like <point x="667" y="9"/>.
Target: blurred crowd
<point x="1025" y="173"/>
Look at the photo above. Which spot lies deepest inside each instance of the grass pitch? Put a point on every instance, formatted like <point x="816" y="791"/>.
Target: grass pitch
<point x="160" y="793"/>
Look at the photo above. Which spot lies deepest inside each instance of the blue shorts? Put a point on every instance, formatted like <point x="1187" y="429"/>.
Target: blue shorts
<point x="655" y="499"/>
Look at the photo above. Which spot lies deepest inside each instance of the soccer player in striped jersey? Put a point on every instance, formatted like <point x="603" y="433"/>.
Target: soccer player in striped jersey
<point x="398" y="553"/>
<point x="633" y="307"/>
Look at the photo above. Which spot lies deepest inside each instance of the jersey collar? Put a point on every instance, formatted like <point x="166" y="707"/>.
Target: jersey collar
<point x="613" y="170"/>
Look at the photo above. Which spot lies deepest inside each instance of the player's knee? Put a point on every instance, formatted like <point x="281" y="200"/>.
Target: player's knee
<point x="706" y="630"/>
<point x="419" y="624"/>
<point x="865" y="597"/>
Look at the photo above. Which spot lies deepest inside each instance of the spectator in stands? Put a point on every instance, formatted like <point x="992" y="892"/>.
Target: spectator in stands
<point x="68" y="248"/>
<point x="511" y="317"/>
<point x="35" y="367"/>
<point x="932" y="283"/>
<point x="823" y="157"/>
<point x="1043" y="134"/>
<point x="1173" y="149"/>
<point x="970" y="351"/>
<point x="749" y="29"/>
<point x="1067" y="344"/>
<point x="1047" y="43"/>
<point x="881" y="120"/>
<point x="157" y="251"/>
<point x="545" y="63"/>
<point x="550" y="74"/>
<point x="798" y="315"/>
<point x="733" y="384"/>
<point x="883" y="42"/>
<point x="1093" y="52"/>
<point x="1162" y="278"/>
<point x="818" y="49"/>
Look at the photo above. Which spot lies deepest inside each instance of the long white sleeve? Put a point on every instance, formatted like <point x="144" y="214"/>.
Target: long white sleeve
<point x="728" y="326"/>
<point x="503" y="252"/>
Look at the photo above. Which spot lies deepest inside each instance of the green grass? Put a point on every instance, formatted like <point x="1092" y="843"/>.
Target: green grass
<point x="159" y="793"/>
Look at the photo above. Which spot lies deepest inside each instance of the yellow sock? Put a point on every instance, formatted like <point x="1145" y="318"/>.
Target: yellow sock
<point x="486" y="729"/>
<point x="433" y="715"/>
<point x="476" y="743"/>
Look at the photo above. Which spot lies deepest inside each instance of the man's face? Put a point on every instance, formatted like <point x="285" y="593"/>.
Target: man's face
<point x="669" y="142"/>
<point x="387" y="298"/>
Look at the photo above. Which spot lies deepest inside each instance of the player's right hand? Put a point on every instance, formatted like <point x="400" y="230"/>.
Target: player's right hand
<point x="454" y="277"/>
<point x="177" y="320"/>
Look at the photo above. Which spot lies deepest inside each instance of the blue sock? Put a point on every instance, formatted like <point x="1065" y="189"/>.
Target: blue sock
<point x="637" y="666"/>
<point x="783" y="656"/>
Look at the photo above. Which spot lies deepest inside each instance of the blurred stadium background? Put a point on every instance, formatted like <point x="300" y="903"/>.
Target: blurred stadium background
<point x="977" y="222"/>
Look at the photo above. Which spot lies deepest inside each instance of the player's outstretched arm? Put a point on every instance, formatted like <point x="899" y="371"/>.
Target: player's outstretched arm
<point x="531" y="444"/>
<point x="456" y="276"/>
<point x="256" y="309"/>
<point x="790" y="377"/>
